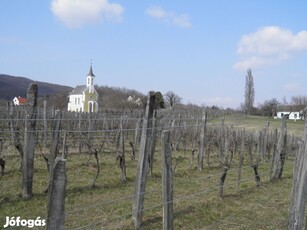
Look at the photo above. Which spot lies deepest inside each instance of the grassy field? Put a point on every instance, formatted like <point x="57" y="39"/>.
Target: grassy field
<point x="258" y="122"/>
<point x="196" y="201"/>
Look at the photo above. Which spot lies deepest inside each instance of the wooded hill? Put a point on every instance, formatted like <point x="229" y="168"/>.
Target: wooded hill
<point x="11" y="86"/>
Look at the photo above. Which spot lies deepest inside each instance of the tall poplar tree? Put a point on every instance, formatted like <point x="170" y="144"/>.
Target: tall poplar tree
<point x="249" y="92"/>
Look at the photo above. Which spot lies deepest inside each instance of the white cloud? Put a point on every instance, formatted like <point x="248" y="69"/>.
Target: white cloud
<point x="269" y="45"/>
<point x="181" y="20"/>
<point x="78" y="13"/>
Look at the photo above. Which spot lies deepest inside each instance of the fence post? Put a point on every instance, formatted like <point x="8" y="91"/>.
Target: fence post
<point x="202" y="142"/>
<point x="274" y="143"/>
<point x="153" y="142"/>
<point x="120" y="151"/>
<point x="140" y="181"/>
<point x="299" y="186"/>
<point x="29" y="142"/>
<point x="137" y="134"/>
<point x="167" y="181"/>
<point x="281" y="149"/>
<point x="79" y="133"/>
<point x="242" y="150"/>
<point x="55" y="138"/>
<point x="45" y="124"/>
<point x="56" y="196"/>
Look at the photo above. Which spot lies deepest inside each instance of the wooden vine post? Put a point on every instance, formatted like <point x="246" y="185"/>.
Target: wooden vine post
<point x="56" y="128"/>
<point x="281" y="149"/>
<point x="142" y="168"/>
<point x="201" y="148"/>
<point x="29" y="142"/>
<point x="299" y="187"/>
<point x="167" y="181"/>
<point x="45" y="124"/>
<point x="242" y="150"/>
<point x="56" y="196"/>
<point x="120" y="150"/>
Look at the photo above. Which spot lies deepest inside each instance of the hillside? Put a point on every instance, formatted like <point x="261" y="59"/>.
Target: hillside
<point x="11" y="86"/>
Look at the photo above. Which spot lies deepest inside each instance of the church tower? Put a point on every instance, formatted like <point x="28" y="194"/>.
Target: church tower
<point x="90" y="80"/>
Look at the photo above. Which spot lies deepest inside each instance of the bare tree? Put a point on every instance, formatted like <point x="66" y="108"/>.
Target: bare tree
<point x="249" y="92"/>
<point x="269" y="107"/>
<point x="298" y="103"/>
<point x="172" y="98"/>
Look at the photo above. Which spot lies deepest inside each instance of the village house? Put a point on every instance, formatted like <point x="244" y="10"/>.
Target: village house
<point x="289" y="115"/>
<point x="20" y="101"/>
<point x="84" y="98"/>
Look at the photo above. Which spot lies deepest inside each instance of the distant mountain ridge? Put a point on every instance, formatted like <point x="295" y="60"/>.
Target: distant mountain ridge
<point x="11" y="86"/>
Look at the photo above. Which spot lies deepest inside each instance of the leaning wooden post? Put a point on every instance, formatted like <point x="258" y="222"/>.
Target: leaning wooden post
<point x="29" y="141"/>
<point x="56" y="196"/>
<point x="140" y="182"/>
<point x="167" y="181"/>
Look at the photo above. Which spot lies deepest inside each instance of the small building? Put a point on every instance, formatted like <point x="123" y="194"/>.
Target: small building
<point x="20" y="101"/>
<point x="84" y="98"/>
<point x="289" y="115"/>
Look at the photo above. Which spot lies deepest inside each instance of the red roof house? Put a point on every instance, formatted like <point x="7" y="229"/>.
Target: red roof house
<point x="20" y="101"/>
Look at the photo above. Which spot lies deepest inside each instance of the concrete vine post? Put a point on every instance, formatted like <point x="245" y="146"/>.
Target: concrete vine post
<point x="142" y="168"/>
<point x="29" y="141"/>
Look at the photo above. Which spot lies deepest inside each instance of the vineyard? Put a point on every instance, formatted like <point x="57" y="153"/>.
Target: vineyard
<point x="151" y="169"/>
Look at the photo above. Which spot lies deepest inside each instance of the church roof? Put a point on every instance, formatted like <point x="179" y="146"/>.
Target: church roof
<point x="78" y="90"/>
<point x="90" y="73"/>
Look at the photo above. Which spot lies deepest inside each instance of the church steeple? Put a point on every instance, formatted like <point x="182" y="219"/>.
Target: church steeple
<point x="90" y="73"/>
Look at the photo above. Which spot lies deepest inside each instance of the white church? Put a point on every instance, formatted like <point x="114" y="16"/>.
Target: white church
<point x="84" y="98"/>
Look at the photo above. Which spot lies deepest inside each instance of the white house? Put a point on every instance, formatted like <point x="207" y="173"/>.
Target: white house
<point x="84" y="98"/>
<point x="20" y="101"/>
<point x="290" y="115"/>
<point x="134" y="100"/>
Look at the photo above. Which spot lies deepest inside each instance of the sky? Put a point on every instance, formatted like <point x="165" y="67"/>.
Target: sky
<point x="199" y="49"/>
